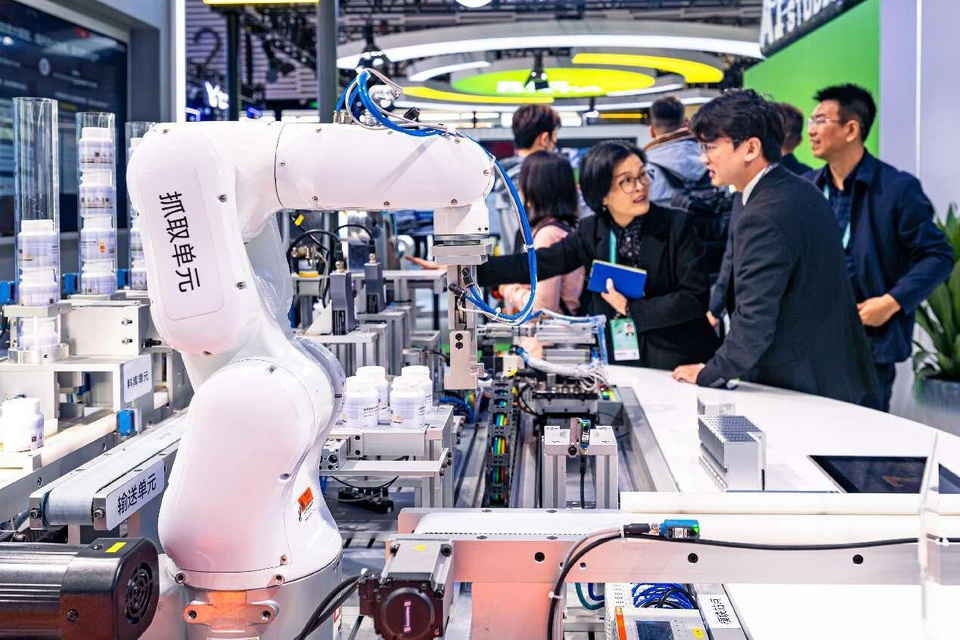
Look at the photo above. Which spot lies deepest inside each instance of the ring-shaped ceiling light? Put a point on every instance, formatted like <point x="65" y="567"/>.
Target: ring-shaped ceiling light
<point x="692" y="71"/>
<point x="618" y="34"/>
<point x="687" y="96"/>
<point x="441" y="65"/>
<point x="430" y="93"/>
<point x="564" y="82"/>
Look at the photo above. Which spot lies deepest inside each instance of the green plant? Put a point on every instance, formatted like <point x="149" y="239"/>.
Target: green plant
<point x="939" y="316"/>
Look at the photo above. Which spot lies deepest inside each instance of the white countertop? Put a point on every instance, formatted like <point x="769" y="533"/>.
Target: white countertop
<point x="796" y="426"/>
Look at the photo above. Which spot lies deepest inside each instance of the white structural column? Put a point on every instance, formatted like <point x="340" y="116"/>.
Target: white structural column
<point x="938" y="100"/>
<point x="920" y="114"/>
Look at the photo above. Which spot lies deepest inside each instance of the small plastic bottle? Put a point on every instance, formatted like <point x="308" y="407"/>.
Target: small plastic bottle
<point x="361" y="404"/>
<point x="408" y="402"/>
<point x="420" y="373"/>
<point x="21" y="425"/>
<point x="377" y="376"/>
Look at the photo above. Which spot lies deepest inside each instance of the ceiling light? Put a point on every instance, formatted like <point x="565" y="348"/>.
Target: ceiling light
<point x="592" y="109"/>
<point x="692" y="71"/>
<point x="474" y="4"/>
<point x="436" y="94"/>
<point x="538" y="76"/>
<point x="617" y="34"/>
<point x="372" y="55"/>
<point x="426" y="74"/>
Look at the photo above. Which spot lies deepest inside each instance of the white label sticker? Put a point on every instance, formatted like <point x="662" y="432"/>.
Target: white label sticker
<point x="180" y="235"/>
<point x="126" y="500"/>
<point x="137" y="377"/>
<point x="717" y="612"/>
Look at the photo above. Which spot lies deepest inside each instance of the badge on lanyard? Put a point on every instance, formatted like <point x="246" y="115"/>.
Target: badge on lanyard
<point x="625" y="343"/>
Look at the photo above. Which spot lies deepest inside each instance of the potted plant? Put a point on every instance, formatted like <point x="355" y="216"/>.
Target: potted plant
<point x="937" y="365"/>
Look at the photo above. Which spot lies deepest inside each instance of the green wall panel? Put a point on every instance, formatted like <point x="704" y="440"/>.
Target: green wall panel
<point x="846" y="49"/>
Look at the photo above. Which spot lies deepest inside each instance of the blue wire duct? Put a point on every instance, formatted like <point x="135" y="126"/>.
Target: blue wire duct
<point x="472" y="295"/>
<point x="460" y="403"/>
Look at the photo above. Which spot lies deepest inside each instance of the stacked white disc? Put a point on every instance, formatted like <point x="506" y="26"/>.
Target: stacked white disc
<point x="98" y="209"/>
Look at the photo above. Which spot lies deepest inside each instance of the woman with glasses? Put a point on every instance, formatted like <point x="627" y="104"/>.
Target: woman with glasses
<point x="667" y="326"/>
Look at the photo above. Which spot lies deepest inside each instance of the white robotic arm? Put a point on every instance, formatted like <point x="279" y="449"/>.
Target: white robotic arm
<point x="243" y="511"/>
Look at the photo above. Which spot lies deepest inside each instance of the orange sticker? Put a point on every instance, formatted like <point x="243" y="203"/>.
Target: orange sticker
<point x="305" y="501"/>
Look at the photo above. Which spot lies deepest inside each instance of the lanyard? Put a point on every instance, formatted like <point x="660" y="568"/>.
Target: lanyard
<point x="613" y="247"/>
<point x="846" y="232"/>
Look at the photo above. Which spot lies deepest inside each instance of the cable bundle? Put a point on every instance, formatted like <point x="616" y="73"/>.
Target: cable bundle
<point x="410" y="127"/>
<point x="662" y="596"/>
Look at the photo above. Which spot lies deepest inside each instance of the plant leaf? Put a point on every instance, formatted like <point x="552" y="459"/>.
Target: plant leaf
<point x="953" y="285"/>
<point x="942" y="308"/>
<point x="932" y="329"/>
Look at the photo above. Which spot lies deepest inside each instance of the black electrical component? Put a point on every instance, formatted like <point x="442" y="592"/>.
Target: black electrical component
<point x="411" y="599"/>
<point x="107" y="590"/>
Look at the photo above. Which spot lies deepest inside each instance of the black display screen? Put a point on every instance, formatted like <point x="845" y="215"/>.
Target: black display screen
<point x="47" y="57"/>
<point x="883" y="474"/>
<point x="654" y="630"/>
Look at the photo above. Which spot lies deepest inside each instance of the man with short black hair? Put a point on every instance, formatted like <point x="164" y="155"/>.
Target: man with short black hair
<point x="793" y="321"/>
<point x="535" y="128"/>
<point x="895" y="255"/>
<point x="792" y="137"/>
<point x="673" y="156"/>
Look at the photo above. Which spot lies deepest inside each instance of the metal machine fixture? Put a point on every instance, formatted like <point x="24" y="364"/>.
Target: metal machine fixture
<point x="732" y="450"/>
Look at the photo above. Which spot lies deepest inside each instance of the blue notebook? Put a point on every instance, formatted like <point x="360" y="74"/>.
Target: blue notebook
<point x="629" y="281"/>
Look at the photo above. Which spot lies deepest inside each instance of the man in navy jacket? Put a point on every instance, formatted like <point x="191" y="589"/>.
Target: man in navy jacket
<point x="894" y="252"/>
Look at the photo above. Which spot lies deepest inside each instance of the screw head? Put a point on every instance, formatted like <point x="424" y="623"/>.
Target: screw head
<point x="223" y="197"/>
<point x="73" y="615"/>
<point x="192" y="614"/>
<point x="35" y="513"/>
<point x="98" y="514"/>
<point x="386" y="203"/>
<point x="453" y="202"/>
<point x="241" y="285"/>
<point x="315" y="199"/>
<point x="284" y="559"/>
<point x="283" y="163"/>
<point x="180" y="578"/>
<point x="266" y="615"/>
<point x="394" y="548"/>
<point x="278" y="579"/>
<point x="446" y="550"/>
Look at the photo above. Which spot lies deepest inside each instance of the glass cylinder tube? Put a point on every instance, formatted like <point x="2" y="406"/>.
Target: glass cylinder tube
<point x="138" y="265"/>
<point x="37" y="200"/>
<point x="97" y="197"/>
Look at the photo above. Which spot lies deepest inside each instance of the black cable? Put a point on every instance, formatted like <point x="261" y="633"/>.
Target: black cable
<point x="583" y="475"/>
<point x="336" y="605"/>
<point x="385" y="485"/>
<point x="309" y="234"/>
<point x="356" y="226"/>
<point x="669" y="592"/>
<point x="441" y="354"/>
<point x="555" y="594"/>
<point x="347" y="584"/>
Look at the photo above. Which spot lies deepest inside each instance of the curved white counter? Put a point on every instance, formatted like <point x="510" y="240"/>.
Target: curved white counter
<point x="796" y="426"/>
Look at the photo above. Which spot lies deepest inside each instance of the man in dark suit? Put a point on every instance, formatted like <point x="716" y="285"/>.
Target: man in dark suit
<point x="794" y="323"/>
<point x="792" y="137"/>
<point x="896" y="256"/>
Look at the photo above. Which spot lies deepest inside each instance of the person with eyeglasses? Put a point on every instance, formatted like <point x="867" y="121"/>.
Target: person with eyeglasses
<point x="667" y="326"/>
<point x="793" y="321"/>
<point x="895" y="255"/>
